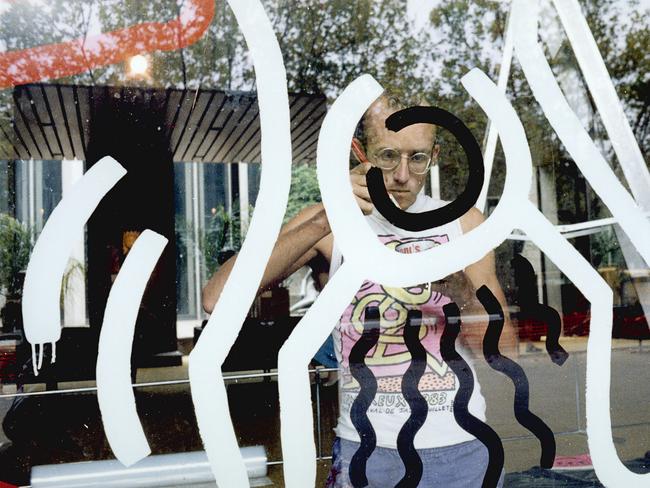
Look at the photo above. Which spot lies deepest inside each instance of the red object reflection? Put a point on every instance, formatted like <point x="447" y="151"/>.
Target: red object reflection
<point x="53" y="61"/>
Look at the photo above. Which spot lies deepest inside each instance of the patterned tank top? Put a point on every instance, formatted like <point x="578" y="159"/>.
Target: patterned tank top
<point x="389" y="358"/>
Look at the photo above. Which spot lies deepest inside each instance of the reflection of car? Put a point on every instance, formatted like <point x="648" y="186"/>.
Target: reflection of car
<point x="576" y="323"/>
<point x="629" y="323"/>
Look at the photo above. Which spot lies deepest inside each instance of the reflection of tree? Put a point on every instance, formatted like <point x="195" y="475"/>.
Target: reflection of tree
<point x="471" y="34"/>
<point x="212" y="61"/>
<point x="80" y="52"/>
<point x="15" y="248"/>
<point x="304" y="189"/>
<point x="219" y="235"/>
<point x="326" y="47"/>
<point x="328" y="44"/>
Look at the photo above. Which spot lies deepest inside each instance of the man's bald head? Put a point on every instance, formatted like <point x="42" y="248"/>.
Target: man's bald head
<point x="373" y="124"/>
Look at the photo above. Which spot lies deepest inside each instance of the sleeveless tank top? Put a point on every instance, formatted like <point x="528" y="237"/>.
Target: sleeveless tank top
<point x="389" y="358"/>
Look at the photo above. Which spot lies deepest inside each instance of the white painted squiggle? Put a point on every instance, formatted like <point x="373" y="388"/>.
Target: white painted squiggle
<point x="296" y="420"/>
<point x="114" y="391"/>
<point x="490" y="146"/>
<point x="362" y="251"/>
<point x="570" y="131"/>
<point x="355" y="238"/>
<point x="208" y="389"/>
<point x="607" y="102"/>
<point x="41" y="293"/>
<point x="609" y="469"/>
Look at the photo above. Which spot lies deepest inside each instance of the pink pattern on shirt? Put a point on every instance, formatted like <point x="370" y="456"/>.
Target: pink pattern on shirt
<point x="390" y="356"/>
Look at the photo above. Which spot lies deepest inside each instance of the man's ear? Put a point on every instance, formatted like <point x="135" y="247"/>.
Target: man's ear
<point x="435" y="153"/>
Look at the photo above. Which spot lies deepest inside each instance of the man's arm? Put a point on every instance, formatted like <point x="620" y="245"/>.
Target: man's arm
<point x="483" y="272"/>
<point x="300" y="240"/>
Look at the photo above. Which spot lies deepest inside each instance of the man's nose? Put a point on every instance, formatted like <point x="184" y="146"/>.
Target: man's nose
<point x="401" y="174"/>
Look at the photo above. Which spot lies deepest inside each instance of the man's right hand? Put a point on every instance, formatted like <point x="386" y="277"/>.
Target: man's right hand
<point x="360" y="187"/>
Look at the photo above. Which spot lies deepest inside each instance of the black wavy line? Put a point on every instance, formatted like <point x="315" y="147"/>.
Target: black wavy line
<point x="449" y="212"/>
<point x="483" y="432"/>
<point x="526" y="281"/>
<point x="517" y="375"/>
<point x="418" y="404"/>
<point x="368" y="389"/>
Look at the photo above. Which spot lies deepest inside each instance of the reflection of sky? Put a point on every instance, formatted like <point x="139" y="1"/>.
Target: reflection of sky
<point x="418" y="11"/>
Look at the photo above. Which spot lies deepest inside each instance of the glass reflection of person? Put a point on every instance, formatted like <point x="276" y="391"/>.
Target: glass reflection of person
<point x="451" y="456"/>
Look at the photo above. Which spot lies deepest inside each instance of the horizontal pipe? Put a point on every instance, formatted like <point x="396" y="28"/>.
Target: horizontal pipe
<point x="88" y="389"/>
<point x="178" y="469"/>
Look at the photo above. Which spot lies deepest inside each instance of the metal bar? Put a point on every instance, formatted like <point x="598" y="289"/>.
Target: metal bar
<point x="22" y="128"/>
<point x="577" y="377"/>
<point x="58" y="96"/>
<point x="209" y="152"/>
<point x="40" y="136"/>
<point x="196" y="219"/>
<point x="149" y="384"/>
<point x="80" y="123"/>
<point x="276" y="463"/>
<point x="185" y="112"/>
<point x="318" y="417"/>
<point x="209" y="128"/>
<point x="199" y="111"/>
<point x="247" y="118"/>
<point x="48" y="108"/>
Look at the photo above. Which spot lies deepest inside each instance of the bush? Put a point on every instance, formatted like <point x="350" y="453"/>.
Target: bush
<point x="15" y="249"/>
<point x="304" y="189"/>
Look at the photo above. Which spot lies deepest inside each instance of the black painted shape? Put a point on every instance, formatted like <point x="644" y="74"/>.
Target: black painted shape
<point x="433" y="218"/>
<point x="417" y="403"/>
<point x="517" y="375"/>
<point x="530" y="308"/>
<point x="483" y="432"/>
<point x="368" y="389"/>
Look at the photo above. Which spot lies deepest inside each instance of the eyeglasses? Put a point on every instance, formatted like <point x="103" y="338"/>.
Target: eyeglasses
<point x="388" y="159"/>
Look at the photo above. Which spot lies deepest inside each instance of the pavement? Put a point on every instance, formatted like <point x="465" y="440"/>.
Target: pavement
<point x="67" y="428"/>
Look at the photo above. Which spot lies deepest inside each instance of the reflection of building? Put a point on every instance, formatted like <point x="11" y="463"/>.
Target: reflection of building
<point x="163" y="138"/>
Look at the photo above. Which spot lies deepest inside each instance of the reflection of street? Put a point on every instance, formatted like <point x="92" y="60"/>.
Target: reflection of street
<point x="66" y="428"/>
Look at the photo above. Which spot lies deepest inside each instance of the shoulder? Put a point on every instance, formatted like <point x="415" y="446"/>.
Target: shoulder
<point x="473" y="218"/>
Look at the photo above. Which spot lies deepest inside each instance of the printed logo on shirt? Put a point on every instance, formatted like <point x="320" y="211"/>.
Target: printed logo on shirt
<point x="390" y="358"/>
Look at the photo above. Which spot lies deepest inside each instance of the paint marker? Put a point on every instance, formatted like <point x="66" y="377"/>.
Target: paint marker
<point x="362" y="158"/>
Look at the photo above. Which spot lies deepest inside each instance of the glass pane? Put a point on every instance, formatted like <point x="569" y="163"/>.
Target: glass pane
<point x="168" y="89"/>
<point x="184" y="241"/>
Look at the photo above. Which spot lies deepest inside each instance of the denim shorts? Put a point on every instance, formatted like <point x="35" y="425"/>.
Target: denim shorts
<point x="458" y="466"/>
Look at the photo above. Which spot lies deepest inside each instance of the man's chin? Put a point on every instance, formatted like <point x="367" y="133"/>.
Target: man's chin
<point x="402" y="202"/>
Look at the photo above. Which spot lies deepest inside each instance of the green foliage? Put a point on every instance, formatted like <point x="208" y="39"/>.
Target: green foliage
<point x="220" y="234"/>
<point x="304" y="189"/>
<point x="471" y="33"/>
<point x="326" y="45"/>
<point x="15" y="248"/>
<point x="605" y="249"/>
<point x="74" y="267"/>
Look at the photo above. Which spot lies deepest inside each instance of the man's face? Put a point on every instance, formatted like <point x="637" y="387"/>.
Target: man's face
<point x="403" y="185"/>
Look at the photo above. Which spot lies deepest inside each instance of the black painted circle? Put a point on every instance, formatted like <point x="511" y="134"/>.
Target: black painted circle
<point x="432" y="218"/>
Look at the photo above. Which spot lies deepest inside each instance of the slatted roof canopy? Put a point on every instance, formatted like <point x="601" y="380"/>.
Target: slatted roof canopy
<point x="52" y="122"/>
